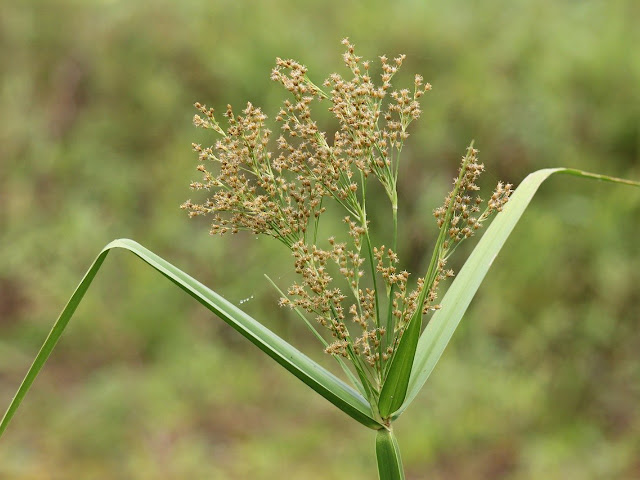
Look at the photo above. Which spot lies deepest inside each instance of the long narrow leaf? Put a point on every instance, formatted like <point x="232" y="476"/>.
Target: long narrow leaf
<point x="394" y="389"/>
<point x="439" y="330"/>
<point x="315" y="376"/>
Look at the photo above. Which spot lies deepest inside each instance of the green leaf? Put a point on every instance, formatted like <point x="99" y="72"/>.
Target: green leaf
<point x="315" y="376"/>
<point x="388" y="456"/>
<point x="439" y="330"/>
<point x="394" y="389"/>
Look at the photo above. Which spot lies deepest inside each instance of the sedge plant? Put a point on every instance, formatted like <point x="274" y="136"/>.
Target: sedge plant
<point x="353" y="294"/>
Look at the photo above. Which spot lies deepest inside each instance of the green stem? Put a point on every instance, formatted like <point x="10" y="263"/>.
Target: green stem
<point x="389" y="336"/>
<point x="377" y="304"/>
<point x="388" y="456"/>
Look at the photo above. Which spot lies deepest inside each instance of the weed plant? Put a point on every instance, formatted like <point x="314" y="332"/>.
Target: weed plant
<point x="353" y="293"/>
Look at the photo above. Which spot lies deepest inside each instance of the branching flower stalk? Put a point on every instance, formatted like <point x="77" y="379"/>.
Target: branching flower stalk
<point x="351" y="286"/>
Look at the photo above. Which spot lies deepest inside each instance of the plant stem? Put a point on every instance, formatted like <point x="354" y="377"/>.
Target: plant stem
<point x="390" y="334"/>
<point x="388" y="456"/>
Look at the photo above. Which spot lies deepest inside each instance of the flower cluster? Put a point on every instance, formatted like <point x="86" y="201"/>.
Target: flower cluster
<point x="352" y="288"/>
<point x="250" y="191"/>
<point x="463" y="221"/>
<point x="460" y="216"/>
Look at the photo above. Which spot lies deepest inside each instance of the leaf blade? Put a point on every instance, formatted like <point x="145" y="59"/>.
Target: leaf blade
<point x="440" y="328"/>
<point x="394" y="389"/>
<point x="319" y="379"/>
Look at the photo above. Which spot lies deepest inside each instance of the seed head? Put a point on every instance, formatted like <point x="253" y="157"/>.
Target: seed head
<point x="279" y="185"/>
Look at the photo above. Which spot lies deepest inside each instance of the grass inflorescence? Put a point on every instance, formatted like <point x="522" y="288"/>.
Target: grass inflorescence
<point x="354" y="287"/>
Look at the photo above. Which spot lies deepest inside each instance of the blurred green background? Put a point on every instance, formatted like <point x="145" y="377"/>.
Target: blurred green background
<point x="542" y="380"/>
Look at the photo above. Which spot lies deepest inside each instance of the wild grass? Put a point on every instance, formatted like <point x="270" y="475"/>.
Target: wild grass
<point x="390" y="356"/>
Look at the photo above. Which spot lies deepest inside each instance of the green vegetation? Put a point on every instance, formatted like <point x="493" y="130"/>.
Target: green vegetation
<point x="561" y="352"/>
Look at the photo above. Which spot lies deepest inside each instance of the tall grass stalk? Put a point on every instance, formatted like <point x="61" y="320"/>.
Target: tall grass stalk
<point x="366" y="311"/>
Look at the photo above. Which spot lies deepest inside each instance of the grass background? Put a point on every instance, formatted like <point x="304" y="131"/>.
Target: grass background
<point x="542" y="380"/>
